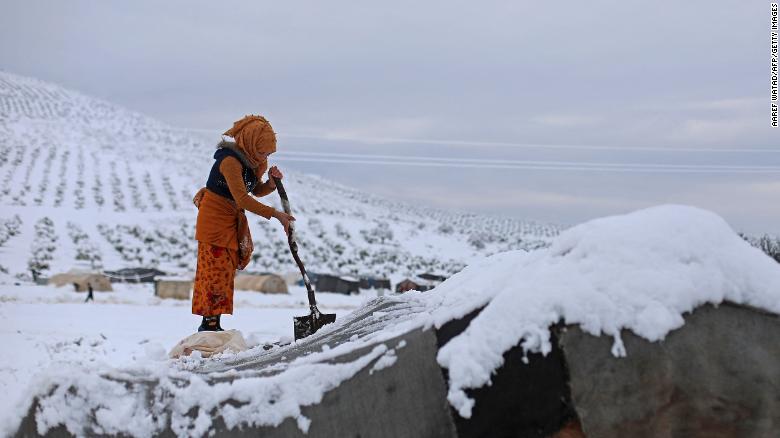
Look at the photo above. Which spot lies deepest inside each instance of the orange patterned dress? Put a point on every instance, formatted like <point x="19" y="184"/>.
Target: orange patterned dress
<point x="213" y="292"/>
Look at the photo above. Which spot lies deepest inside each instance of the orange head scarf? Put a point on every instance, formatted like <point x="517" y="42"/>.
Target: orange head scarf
<point x="253" y="135"/>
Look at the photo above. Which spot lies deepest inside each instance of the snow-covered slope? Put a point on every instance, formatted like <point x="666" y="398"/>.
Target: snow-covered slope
<point x="112" y="188"/>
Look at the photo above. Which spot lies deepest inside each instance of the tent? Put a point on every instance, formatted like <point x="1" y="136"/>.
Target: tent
<point x="267" y="283"/>
<point x="432" y="277"/>
<point x="422" y="282"/>
<point x="294" y="278"/>
<point x="173" y="288"/>
<point x="414" y="284"/>
<point x="332" y="283"/>
<point x="80" y="280"/>
<point x="374" y="283"/>
<point x="134" y="275"/>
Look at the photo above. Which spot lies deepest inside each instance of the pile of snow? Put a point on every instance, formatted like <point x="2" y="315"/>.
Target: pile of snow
<point x="641" y="271"/>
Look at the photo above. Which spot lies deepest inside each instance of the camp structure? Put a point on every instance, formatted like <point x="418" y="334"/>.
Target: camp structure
<point x="266" y="283"/>
<point x="368" y="282"/>
<point x="421" y="282"/>
<point x="293" y="278"/>
<point x="415" y="283"/>
<point x="80" y="281"/>
<point x="134" y="275"/>
<point x="333" y="283"/>
<point x="435" y="278"/>
<point x="171" y="287"/>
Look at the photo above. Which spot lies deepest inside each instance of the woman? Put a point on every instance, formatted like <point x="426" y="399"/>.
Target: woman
<point x="222" y="230"/>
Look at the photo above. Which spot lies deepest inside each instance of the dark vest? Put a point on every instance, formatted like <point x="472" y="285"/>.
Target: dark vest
<point x="217" y="183"/>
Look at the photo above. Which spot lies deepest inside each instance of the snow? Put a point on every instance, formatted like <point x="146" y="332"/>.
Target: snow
<point x="641" y="272"/>
<point x="263" y="400"/>
<point x="388" y="359"/>
<point x="53" y="334"/>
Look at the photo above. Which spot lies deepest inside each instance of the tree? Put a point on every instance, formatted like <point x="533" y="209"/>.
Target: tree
<point x="380" y="233"/>
<point x="43" y="247"/>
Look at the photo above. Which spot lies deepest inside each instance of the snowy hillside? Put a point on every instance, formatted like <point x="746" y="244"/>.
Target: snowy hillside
<point x="87" y="184"/>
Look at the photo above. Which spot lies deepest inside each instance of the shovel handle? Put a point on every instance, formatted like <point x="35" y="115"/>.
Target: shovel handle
<point x="294" y="245"/>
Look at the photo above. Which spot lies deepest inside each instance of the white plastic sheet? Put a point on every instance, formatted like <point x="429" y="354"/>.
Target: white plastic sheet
<point x="209" y="343"/>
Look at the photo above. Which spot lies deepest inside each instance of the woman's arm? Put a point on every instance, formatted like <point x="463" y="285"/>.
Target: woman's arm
<point x="231" y="168"/>
<point x="264" y="188"/>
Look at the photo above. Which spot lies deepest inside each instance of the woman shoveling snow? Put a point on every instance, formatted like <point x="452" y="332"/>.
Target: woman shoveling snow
<point x="222" y="230"/>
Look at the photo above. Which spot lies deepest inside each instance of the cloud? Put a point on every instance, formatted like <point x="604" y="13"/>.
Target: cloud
<point x="567" y="120"/>
<point x="716" y="130"/>
<point x="761" y="188"/>
<point x="732" y="104"/>
<point x="403" y="127"/>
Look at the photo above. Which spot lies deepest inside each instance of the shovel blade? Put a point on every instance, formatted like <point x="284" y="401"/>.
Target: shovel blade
<point x="307" y="325"/>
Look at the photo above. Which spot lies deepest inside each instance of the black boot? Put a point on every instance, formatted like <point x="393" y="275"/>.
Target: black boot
<point x="210" y="324"/>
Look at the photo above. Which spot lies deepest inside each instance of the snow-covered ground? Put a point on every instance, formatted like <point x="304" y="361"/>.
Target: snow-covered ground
<point x="46" y="328"/>
<point x="640" y="272"/>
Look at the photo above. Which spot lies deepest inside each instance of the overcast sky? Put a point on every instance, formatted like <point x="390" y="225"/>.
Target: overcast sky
<point x="676" y="92"/>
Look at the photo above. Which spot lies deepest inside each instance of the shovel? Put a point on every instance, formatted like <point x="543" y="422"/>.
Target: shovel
<point x="303" y="325"/>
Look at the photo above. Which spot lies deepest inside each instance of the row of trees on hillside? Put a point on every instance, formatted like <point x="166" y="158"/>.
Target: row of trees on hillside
<point x="769" y="244"/>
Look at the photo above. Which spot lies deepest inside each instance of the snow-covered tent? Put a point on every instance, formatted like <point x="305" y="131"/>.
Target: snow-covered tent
<point x="81" y="280"/>
<point x="267" y="283"/>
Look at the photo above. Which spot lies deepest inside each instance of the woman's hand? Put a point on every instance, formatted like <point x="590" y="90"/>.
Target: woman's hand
<point x="274" y="172"/>
<point x="284" y="219"/>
